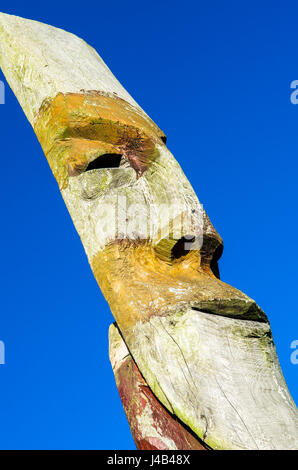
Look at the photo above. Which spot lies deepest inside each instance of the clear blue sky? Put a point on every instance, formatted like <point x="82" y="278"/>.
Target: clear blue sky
<point x="215" y="76"/>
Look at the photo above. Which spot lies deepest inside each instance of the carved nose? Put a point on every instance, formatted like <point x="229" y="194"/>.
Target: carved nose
<point x="241" y="308"/>
<point x="198" y="277"/>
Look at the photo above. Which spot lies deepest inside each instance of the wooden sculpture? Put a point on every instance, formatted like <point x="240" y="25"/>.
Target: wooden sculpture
<point x="193" y="357"/>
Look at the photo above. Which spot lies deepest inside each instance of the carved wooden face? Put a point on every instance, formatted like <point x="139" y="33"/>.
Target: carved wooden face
<point x="151" y="246"/>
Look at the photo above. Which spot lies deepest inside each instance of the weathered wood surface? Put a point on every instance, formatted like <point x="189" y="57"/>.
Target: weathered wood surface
<point x="152" y="426"/>
<point x="204" y="348"/>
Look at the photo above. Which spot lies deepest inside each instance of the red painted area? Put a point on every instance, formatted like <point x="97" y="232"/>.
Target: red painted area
<point x="152" y="426"/>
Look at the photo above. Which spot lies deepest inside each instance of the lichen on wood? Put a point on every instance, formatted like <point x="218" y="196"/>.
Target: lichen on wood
<point x="151" y="424"/>
<point x="202" y="347"/>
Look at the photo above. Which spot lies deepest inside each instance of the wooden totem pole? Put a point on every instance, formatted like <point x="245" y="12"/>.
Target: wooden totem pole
<point x="194" y="359"/>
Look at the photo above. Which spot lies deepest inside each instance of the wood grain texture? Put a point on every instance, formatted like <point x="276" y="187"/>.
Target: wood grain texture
<point x="41" y="61"/>
<point x="151" y="425"/>
<point x="221" y="376"/>
<point x="204" y="348"/>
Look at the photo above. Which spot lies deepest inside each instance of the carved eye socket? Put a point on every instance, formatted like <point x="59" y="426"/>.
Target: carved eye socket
<point x="108" y="160"/>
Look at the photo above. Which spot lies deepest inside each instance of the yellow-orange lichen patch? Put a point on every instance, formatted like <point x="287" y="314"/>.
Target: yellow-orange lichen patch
<point x="94" y="120"/>
<point x="138" y="284"/>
